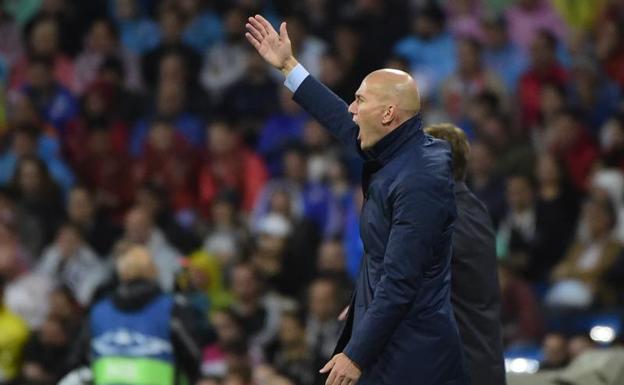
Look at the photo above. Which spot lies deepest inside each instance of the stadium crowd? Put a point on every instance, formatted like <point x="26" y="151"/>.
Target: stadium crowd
<point x="153" y="123"/>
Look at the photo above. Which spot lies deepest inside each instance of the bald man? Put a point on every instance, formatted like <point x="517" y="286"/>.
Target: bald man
<point x="154" y="336"/>
<point x="400" y="329"/>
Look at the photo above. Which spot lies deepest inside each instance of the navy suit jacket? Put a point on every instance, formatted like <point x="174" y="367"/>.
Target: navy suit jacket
<point x="400" y="328"/>
<point x="475" y="292"/>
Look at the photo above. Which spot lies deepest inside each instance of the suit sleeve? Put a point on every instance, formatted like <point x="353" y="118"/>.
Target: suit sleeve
<point x="331" y="111"/>
<point x="418" y="219"/>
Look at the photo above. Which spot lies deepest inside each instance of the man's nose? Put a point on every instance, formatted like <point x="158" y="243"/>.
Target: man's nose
<point x="352" y="108"/>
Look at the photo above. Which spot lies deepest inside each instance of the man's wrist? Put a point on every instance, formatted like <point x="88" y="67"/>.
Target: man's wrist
<point x="288" y="66"/>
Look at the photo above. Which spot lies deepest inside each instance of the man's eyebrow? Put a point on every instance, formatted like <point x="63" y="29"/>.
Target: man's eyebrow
<point x="358" y="95"/>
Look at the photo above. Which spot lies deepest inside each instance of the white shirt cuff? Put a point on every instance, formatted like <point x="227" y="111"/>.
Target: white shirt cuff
<point x="296" y="77"/>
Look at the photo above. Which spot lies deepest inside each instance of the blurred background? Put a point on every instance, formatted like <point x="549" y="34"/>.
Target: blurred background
<point x="151" y="122"/>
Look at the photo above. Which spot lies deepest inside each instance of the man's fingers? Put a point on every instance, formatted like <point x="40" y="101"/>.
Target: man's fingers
<point x="343" y="314"/>
<point x="328" y="366"/>
<point x="283" y="31"/>
<point x="331" y="380"/>
<point x="258" y="25"/>
<point x="252" y="40"/>
<point x="254" y="31"/>
<point x="346" y="381"/>
<point x="268" y="28"/>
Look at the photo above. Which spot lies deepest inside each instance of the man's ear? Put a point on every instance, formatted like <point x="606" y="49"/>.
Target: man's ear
<point x="389" y="114"/>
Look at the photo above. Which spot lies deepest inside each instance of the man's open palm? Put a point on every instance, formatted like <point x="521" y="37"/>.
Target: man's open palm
<point x="273" y="47"/>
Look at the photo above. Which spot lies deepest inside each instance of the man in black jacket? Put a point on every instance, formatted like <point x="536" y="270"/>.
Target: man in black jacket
<point x="475" y="291"/>
<point x="139" y="332"/>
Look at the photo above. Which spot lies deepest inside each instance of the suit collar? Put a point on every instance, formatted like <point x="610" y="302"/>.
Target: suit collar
<point x="384" y="150"/>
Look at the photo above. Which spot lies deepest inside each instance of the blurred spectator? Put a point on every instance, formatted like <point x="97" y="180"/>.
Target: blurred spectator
<point x="22" y="229"/>
<point x="610" y="49"/>
<point x="556" y="211"/>
<point x="11" y="44"/>
<point x="46" y="352"/>
<point x="71" y="262"/>
<point x="103" y="41"/>
<point x="101" y="169"/>
<point x="38" y="195"/>
<point x="225" y="62"/>
<point x="570" y="143"/>
<point x="14" y="336"/>
<point x="579" y="344"/>
<point x="281" y="130"/>
<point x="500" y="54"/>
<point x="227" y="235"/>
<point x="322" y="153"/>
<point x="138" y="311"/>
<point x="555" y="348"/>
<point x="309" y="48"/>
<point x="581" y="15"/>
<point x="170" y="162"/>
<point x="331" y="263"/>
<point x="53" y="101"/>
<point x="470" y="79"/>
<point x="553" y="99"/>
<point x="269" y="256"/>
<point x="99" y="231"/>
<point x="528" y="17"/>
<point x="140" y="229"/>
<point x="577" y="280"/>
<point x="175" y="226"/>
<point x="126" y="105"/>
<point x="322" y="325"/>
<point x="138" y="33"/>
<point x="253" y="97"/>
<point x="463" y="18"/>
<point x="173" y="68"/>
<point x="44" y="41"/>
<point x="170" y="104"/>
<point x="611" y="138"/>
<point x="609" y="184"/>
<point x="517" y="231"/>
<point x="29" y="141"/>
<point x="520" y="315"/>
<point x="96" y="112"/>
<point x="171" y="29"/>
<point x="308" y="199"/>
<point x="229" y="329"/>
<point x="229" y="165"/>
<point x="484" y="182"/>
<point x="258" y="311"/>
<point x="293" y="358"/>
<point x="203" y="27"/>
<point x="430" y="50"/>
<point x="594" y="98"/>
<point x="543" y="68"/>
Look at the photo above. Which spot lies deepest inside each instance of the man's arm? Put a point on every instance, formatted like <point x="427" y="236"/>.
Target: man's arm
<point x="418" y="220"/>
<point x="331" y="111"/>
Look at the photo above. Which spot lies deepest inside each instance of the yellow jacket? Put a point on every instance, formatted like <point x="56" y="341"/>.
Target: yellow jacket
<point x="13" y="336"/>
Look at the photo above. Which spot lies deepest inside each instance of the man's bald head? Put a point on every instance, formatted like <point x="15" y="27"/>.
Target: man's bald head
<point x="395" y="87"/>
<point x="385" y="100"/>
<point x="134" y="264"/>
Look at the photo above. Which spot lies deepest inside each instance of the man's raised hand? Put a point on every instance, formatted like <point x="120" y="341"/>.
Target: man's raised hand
<point x="273" y="47"/>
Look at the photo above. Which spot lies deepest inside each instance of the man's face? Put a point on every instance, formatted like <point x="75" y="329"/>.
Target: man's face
<point x="367" y="113"/>
<point x="322" y="299"/>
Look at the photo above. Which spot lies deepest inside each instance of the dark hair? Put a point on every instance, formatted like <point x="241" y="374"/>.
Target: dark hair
<point x="49" y="187"/>
<point x="109" y="24"/>
<point x="114" y="64"/>
<point x="549" y="36"/>
<point x="472" y="42"/>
